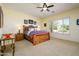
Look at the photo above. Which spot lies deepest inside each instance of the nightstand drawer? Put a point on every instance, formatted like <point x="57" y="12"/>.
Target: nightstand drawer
<point x="19" y="36"/>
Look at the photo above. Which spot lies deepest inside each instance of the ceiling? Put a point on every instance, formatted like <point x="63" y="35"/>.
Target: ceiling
<point x="30" y="8"/>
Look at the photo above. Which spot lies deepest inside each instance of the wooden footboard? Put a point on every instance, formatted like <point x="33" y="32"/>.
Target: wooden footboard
<point x="39" y="38"/>
<point x="36" y="38"/>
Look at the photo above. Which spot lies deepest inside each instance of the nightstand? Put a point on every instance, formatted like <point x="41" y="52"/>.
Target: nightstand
<point x="19" y="37"/>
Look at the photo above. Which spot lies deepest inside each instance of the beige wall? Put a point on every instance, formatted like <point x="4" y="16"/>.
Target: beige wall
<point x="74" y="29"/>
<point x="12" y="19"/>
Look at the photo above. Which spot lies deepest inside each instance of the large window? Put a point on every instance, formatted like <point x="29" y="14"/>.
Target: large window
<point x="61" y="25"/>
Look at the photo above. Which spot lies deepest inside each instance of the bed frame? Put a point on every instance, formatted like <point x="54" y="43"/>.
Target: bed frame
<point x="37" y="38"/>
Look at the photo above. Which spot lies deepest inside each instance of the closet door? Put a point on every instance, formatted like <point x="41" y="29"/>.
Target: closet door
<point x="1" y="17"/>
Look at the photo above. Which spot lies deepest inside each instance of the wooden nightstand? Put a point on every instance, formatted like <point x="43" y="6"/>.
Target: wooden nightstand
<point x="19" y="37"/>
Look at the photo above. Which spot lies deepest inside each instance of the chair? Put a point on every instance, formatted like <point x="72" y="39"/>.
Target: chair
<point x="6" y="41"/>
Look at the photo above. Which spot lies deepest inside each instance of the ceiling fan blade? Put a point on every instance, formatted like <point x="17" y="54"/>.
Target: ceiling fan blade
<point x="42" y="10"/>
<point x="50" y="6"/>
<point x="48" y="10"/>
<point x="39" y="7"/>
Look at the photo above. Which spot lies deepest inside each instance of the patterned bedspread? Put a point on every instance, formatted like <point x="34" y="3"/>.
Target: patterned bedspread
<point x="35" y="32"/>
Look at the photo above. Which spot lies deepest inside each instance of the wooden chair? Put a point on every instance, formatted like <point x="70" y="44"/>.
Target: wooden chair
<point x="4" y="42"/>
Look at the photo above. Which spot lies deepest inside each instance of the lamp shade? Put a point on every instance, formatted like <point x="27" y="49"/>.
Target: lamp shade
<point x="19" y="27"/>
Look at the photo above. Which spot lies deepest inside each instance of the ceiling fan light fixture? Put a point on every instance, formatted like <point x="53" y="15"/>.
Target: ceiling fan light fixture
<point x="44" y="8"/>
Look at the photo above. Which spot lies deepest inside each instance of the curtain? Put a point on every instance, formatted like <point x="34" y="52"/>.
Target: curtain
<point x="1" y="17"/>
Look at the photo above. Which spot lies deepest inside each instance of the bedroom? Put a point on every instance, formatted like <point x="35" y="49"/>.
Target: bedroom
<point x="16" y="15"/>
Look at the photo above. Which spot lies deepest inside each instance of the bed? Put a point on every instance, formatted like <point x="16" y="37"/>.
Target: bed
<point x="35" y="37"/>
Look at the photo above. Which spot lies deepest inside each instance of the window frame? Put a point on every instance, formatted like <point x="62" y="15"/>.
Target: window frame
<point x="62" y="23"/>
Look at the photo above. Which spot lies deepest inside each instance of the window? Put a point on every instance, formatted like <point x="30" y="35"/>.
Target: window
<point x="61" y="25"/>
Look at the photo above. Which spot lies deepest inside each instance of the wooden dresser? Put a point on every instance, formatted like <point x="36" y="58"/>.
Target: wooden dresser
<point x="19" y="37"/>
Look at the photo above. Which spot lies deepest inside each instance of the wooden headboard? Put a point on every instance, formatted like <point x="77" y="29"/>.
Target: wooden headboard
<point x="25" y="29"/>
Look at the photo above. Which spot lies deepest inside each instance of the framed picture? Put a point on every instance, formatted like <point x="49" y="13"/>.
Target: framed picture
<point x="77" y="21"/>
<point x="30" y="21"/>
<point x="25" y="21"/>
<point x="45" y="24"/>
<point x="34" y="22"/>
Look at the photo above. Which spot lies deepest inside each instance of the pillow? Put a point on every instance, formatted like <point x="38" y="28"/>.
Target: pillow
<point x="7" y="42"/>
<point x="30" y="30"/>
<point x="6" y="36"/>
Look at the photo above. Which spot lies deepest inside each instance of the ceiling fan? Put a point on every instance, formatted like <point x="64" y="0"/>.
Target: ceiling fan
<point x="45" y="7"/>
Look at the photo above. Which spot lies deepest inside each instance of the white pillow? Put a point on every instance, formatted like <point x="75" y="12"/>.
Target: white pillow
<point x="30" y="30"/>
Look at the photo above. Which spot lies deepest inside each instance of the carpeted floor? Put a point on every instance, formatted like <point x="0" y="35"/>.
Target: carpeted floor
<point x="53" y="47"/>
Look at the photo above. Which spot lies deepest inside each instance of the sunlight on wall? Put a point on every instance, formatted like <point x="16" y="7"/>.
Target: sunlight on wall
<point x="74" y="29"/>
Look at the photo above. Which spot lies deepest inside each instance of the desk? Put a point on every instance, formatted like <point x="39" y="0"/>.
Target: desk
<point x="7" y="42"/>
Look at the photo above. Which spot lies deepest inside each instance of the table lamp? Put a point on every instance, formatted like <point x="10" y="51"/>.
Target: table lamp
<point x="19" y="28"/>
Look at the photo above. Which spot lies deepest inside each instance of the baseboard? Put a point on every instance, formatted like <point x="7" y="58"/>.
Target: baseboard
<point x="66" y="40"/>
